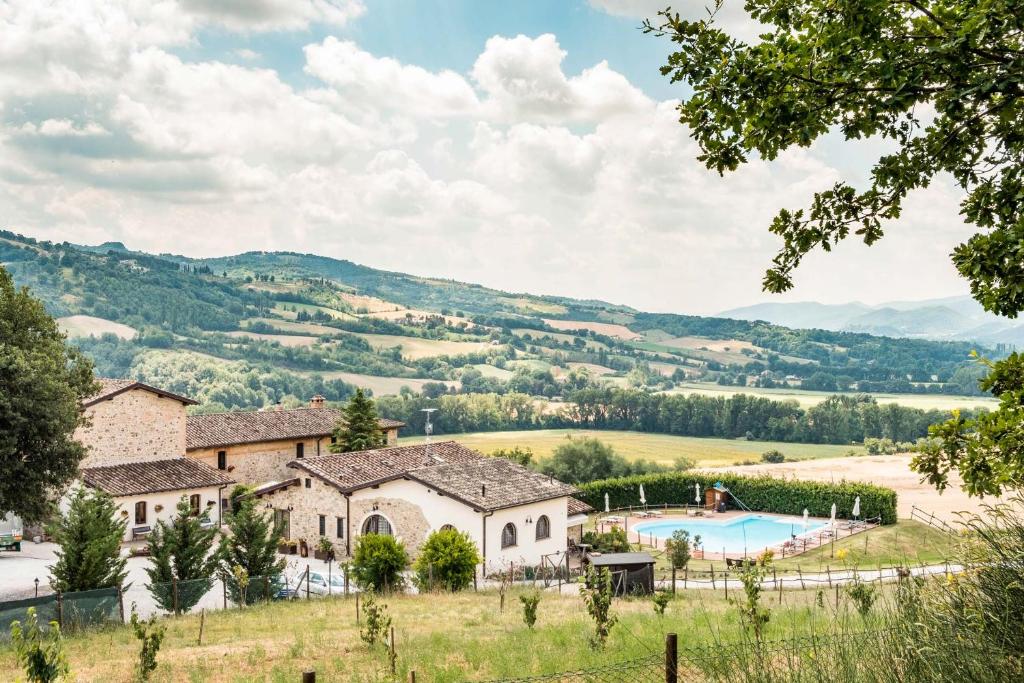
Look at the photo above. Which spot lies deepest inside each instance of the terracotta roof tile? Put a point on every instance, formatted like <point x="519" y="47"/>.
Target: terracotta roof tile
<point x="353" y="471"/>
<point x="492" y="483"/>
<point x="578" y="507"/>
<point x="134" y="478"/>
<point x="254" y="426"/>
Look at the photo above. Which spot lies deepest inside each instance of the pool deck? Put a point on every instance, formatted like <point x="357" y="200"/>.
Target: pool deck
<point x="797" y="545"/>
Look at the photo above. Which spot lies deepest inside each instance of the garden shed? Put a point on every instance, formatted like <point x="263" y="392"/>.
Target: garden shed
<point x="632" y="573"/>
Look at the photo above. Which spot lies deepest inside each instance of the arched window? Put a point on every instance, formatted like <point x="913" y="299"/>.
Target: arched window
<point x="447" y="527"/>
<point x="377" y="524"/>
<point x="508" y="535"/>
<point x="543" y="527"/>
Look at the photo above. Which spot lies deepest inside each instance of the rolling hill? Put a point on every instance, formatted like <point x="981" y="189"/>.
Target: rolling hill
<point x="266" y="327"/>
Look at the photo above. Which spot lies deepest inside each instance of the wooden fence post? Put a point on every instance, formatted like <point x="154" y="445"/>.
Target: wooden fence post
<point x="357" y="609"/>
<point x="308" y="677"/>
<point x="673" y="579"/>
<point x="60" y="610"/>
<point x="712" y="576"/>
<point x="671" y="658"/>
<point x="307" y="582"/>
<point x="828" y="571"/>
<point x="801" y="574"/>
<point x="120" y="602"/>
<point x="394" y="655"/>
<point x="174" y="593"/>
<point x="726" y="582"/>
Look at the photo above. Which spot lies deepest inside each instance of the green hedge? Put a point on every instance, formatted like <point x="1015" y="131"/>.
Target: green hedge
<point x="763" y="494"/>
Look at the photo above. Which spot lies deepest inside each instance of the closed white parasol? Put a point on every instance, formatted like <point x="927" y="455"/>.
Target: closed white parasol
<point x="856" y="507"/>
<point x="606" y="507"/>
<point x="832" y="520"/>
<point x="643" y="498"/>
<point x="805" y="519"/>
<point x="696" y="489"/>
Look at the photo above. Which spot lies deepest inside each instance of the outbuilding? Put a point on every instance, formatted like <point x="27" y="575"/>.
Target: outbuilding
<point x="632" y="573"/>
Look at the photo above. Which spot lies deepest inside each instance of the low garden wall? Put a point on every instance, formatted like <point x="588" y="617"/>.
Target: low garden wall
<point x="759" y="493"/>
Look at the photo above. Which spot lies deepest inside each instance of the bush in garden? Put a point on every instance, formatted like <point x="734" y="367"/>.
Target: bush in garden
<point x="773" y="457"/>
<point x="447" y="559"/>
<point x="43" y="661"/>
<point x="612" y="541"/>
<point x="378" y="562"/>
<point x="680" y="547"/>
<point x="761" y="493"/>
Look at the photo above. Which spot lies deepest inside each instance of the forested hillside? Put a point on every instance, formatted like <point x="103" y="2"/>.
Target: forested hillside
<point x="262" y="328"/>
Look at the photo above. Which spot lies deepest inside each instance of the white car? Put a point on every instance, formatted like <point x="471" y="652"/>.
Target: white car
<point x="320" y="583"/>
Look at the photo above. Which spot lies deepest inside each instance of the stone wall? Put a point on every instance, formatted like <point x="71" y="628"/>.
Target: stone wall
<point x="133" y="426"/>
<point x="259" y="463"/>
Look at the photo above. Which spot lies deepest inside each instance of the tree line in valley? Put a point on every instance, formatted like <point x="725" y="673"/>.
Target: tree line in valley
<point x="838" y="419"/>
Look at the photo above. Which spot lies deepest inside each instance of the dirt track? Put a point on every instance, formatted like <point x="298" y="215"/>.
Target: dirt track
<point x="886" y="470"/>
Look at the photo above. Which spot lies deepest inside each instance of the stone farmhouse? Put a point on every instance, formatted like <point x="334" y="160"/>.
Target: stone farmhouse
<point x="255" y="447"/>
<point x="144" y="449"/>
<point x="136" y="453"/>
<point x="513" y="514"/>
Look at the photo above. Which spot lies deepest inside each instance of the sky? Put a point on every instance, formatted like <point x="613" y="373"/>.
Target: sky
<point x="530" y="146"/>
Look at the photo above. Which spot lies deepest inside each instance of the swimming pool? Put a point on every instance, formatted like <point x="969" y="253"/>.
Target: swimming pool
<point x="749" y="533"/>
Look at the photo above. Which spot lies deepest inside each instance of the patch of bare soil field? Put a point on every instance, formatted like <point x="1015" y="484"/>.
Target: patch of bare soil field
<point x="892" y="471"/>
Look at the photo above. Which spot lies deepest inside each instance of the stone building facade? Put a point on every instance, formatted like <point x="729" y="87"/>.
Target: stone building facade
<point x="512" y="514"/>
<point x="132" y="422"/>
<point x="255" y="447"/>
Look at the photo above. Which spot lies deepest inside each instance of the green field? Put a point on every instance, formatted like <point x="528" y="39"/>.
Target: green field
<point x="380" y="386"/>
<point x="810" y="398"/>
<point x="417" y="347"/>
<point x="660" y="448"/>
<point x="91" y="326"/>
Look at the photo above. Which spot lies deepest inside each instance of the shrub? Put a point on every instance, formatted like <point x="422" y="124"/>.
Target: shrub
<point x="448" y="559"/>
<point x="613" y="541"/>
<point x="43" y="662"/>
<point x="597" y="594"/>
<point x="530" y="602"/>
<point x="761" y="493"/>
<point x="378" y="562"/>
<point x="773" y="457"/>
<point x="680" y="547"/>
<point x="862" y="594"/>
<point x="660" y="599"/>
<point x="151" y="635"/>
<point x="377" y="620"/>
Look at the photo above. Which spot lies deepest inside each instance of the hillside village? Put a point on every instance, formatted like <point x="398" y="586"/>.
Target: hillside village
<point x="146" y="452"/>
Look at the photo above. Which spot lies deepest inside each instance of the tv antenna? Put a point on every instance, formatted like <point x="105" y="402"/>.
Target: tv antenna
<point x="428" y="430"/>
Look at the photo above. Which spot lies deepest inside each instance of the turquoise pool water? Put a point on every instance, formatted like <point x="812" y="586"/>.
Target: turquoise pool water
<point x="749" y="533"/>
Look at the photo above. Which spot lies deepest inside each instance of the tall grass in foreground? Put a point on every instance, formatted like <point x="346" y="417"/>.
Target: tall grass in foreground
<point x="962" y="627"/>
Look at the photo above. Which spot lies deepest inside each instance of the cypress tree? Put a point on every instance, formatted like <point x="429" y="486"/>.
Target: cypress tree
<point x="251" y="544"/>
<point x="89" y="535"/>
<point x="181" y="552"/>
<point x="359" y="427"/>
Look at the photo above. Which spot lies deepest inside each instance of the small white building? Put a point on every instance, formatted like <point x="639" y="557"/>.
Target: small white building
<point x="512" y="514"/>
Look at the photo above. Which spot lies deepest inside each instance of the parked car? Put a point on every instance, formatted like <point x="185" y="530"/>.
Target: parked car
<point x="320" y="583"/>
<point x="11" y="532"/>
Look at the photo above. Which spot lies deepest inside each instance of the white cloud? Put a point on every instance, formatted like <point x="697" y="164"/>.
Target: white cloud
<point x="523" y="79"/>
<point x="730" y="17"/>
<point x="365" y="81"/>
<point x="274" y="15"/>
<point x="516" y="174"/>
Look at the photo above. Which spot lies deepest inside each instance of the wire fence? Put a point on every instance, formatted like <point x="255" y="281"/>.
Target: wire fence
<point x="818" y="657"/>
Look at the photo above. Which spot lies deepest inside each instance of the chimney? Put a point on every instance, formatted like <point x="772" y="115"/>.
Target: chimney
<point x="316" y="402"/>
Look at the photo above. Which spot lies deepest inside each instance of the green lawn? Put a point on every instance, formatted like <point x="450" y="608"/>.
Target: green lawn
<point x="661" y="448"/>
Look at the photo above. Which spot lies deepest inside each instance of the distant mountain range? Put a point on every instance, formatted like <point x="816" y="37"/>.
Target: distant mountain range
<point x="950" y="318"/>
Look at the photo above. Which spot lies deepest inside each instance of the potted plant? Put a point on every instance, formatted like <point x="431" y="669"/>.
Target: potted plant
<point x="293" y="547"/>
<point x="282" y="546"/>
<point x="324" y="550"/>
